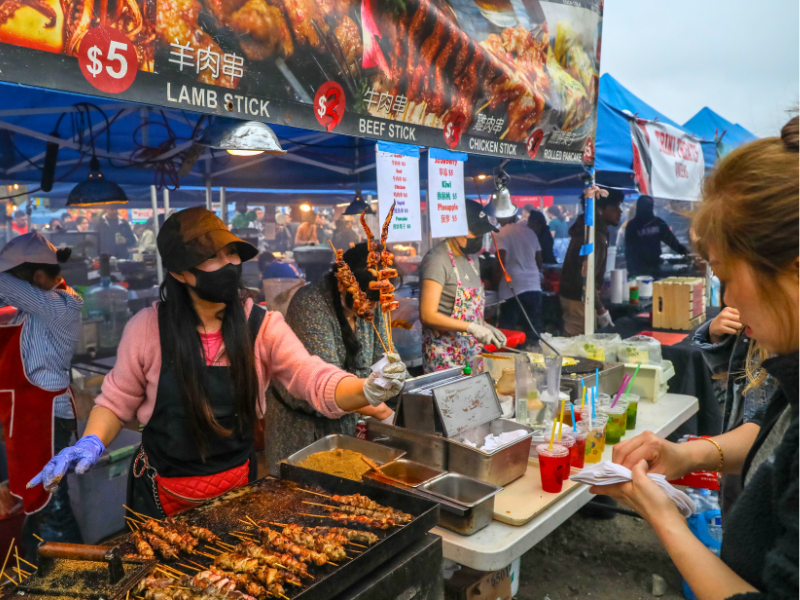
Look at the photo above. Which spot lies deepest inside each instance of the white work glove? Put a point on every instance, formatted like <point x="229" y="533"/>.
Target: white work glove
<point x="486" y="334"/>
<point x="604" y="320"/>
<point x="388" y="383"/>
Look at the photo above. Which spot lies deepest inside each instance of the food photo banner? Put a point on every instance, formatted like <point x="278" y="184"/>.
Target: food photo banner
<point x="510" y="78"/>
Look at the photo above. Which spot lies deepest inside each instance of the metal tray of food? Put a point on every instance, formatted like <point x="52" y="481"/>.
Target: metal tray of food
<point x="409" y="473"/>
<point x="476" y="496"/>
<point x="377" y="453"/>
<point x="499" y="466"/>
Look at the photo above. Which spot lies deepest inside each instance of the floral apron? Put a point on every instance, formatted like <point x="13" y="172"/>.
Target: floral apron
<point x="447" y="349"/>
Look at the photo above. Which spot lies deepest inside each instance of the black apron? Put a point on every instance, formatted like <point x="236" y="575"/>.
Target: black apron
<point x="167" y="440"/>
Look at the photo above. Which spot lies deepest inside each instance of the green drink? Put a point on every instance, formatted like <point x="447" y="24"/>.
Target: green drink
<point x="633" y="409"/>
<point x="617" y="421"/>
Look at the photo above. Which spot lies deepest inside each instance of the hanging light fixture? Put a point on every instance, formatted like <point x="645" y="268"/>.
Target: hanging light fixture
<point x="96" y="189"/>
<point x="358" y="206"/>
<point x="500" y="204"/>
<point x="237" y="136"/>
<point x="305" y="207"/>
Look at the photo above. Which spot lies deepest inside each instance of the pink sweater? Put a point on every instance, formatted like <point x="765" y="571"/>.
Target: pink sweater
<point x="129" y="390"/>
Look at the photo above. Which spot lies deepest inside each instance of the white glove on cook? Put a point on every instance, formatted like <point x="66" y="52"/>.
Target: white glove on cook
<point x="486" y="334"/>
<point x="394" y="372"/>
<point x="604" y="320"/>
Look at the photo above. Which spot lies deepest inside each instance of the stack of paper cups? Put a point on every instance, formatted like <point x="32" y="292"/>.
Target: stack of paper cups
<point x="645" y="286"/>
<point x="619" y="288"/>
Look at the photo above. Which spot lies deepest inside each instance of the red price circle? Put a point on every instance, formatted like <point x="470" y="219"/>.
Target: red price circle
<point x="108" y="60"/>
<point x="329" y="105"/>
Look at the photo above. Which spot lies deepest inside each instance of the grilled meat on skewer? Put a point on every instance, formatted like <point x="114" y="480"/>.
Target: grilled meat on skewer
<point x="183" y="541"/>
<point x="354" y="535"/>
<point x="319" y="532"/>
<point x="199" y="533"/>
<point x="142" y="547"/>
<point x="287" y="561"/>
<point x="164" y="549"/>
<point x="239" y="563"/>
<point x="354" y="510"/>
<point x="243" y="582"/>
<point x="282" y="544"/>
<point x="327" y="547"/>
<point x="364" y="520"/>
<point x="360" y="501"/>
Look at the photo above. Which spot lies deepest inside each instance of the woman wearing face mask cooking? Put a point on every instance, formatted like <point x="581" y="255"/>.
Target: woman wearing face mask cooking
<point x="452" y="298"/>
<point x="194" y="369"/>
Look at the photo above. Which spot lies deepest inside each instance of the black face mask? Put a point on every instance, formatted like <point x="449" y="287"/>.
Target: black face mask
<point x="473" y="245"/>
<point x="220" y="286"/>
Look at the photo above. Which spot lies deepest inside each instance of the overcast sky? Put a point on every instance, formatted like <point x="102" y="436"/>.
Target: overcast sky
<point x="738" y="57"/>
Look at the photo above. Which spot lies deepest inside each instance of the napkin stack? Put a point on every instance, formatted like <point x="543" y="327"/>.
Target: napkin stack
<point x="608" y="473"/>
<point x="492" y="442"/>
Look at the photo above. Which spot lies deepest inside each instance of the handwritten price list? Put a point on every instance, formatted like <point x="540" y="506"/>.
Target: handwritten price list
<point x="446" y="192"/>
<point x="398" y="181"/>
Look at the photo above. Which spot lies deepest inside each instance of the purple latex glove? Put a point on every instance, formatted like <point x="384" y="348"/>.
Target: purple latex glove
<point x="83" y="455"/>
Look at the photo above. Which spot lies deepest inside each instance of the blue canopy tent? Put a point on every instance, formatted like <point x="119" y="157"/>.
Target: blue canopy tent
<point x="711" y="126"/>
<point x="613" y="151"/>
<point x="139" y="146"/>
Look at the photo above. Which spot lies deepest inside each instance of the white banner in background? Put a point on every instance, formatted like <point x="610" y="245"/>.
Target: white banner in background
<point x="446" y="197"/>
<point x="398" y="180"/>
<point x="667" y="162"/>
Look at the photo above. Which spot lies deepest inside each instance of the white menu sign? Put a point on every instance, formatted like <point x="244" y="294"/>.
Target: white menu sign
<point x="446" y="200"/>
<point x="398" y="181"/>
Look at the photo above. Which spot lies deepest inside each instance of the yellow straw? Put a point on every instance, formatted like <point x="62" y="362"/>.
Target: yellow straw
<point x="553" y="434"/>
<point x="583" y="394"/>
<point x="561" y="420"/>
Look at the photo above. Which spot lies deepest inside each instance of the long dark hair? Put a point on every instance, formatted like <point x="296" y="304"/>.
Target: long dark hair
<point x="182" y="321"/>
<point x="356" y="259"/>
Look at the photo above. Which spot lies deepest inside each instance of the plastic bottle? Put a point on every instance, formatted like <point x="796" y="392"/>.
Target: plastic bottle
<point x="705" y="523"/>
<point x="107" y="302"/>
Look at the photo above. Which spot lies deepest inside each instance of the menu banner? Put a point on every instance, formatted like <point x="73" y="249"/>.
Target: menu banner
<point x="447" y="208"/>
<point x="398" y="184"/>
<point x="507" y="78"/>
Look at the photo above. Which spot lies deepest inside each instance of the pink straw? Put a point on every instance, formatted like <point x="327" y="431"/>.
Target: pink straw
<point x="625" y="381"/>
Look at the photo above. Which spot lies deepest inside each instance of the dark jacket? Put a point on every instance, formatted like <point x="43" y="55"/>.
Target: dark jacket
<point x="643" y="238"/>
<point x="292" y="423"/>
<point x="544" y="236"/>
<point x="760" y="535"/>
<point x="728" y="357"/>
<point x="572" y="279"/>
<point x="115" y="237"/>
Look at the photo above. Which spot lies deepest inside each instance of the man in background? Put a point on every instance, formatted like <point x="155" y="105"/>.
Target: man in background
<point x="571" y="291"/>
<point x="558" y="224"/>
<point x="19" y="226"/>
<point x="116" y="235"/>
<point x="643" y="238"/>
<point x="307" y="232"/>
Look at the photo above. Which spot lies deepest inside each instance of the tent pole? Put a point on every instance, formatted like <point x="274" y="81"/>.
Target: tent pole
<point x="209" y="197"/>
<point x="223" y="206"/>
<point x="588" y="306"/>
<point x="166" y="203"/>
<point x="154" y="202"/>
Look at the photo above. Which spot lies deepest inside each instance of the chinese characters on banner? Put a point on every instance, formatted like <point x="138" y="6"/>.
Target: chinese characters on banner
<point x="446" y="197"/>
<point x="398" y="180"/>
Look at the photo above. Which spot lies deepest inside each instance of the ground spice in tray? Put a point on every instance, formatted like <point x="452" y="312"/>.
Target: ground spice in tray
<point x="341" y="462"/>
<point x="79" y="577"/>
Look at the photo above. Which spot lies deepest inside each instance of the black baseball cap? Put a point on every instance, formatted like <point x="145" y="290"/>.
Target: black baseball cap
<point x="192" y="236"/>
<point x="478" y="219"/>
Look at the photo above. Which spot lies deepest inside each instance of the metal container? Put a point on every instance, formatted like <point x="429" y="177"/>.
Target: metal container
<point x="416" y="409"/>
<point x="379" y="454"/>
<point x="499" y="466"/>
<point x="476" y="496"/>
<point x="409" y="473"/>
<point x="428" y="449"/>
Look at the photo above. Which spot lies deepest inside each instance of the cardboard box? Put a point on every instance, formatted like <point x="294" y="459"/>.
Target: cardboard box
<point x="469" y="584"/>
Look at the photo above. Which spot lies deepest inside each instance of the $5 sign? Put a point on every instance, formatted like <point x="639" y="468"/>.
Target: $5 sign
<point x="108" y="60"/>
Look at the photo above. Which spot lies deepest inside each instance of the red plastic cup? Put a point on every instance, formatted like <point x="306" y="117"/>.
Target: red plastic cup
<point x="568" y="441"/>
<point x="553" y="466"/>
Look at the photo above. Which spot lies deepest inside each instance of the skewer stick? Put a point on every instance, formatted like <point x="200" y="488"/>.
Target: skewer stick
<point x="226" y="546"/>
<point x="194" y="563"/>
<point x="380" y="339"/>
<point x="253" y="522"/>
<point x="19" y="570"/>
<point x="127" y="595"/>
<point x="331" y="563"/>
<point x="27" y="563"/>
<point x="165" y="572"/>
<point x="14" y="581"/>
<point x="356" y="545"/>
<point x="205" y="554"/>
<point x="315" y="493"/>
<point x="141" y="515"/>
<point x="245" y="522"/>
<point x="282" y="596"/>
<point x="8" y="554"/>
<point x="190" y="567"/>
<point x="36" y="536"/>
<point x="318" y="504"/>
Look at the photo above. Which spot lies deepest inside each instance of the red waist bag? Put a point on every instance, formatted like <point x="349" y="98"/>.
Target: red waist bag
<point x="180" y="493"/>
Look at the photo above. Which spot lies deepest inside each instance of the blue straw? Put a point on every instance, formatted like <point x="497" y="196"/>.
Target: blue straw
<point x="572" y="410"/>
<point x="597" y="378"/>
<point x="594" y="397"/>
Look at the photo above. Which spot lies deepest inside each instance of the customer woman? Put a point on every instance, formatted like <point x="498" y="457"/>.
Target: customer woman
<point x="747" y="226"/>
<point x="322" y="317"/>
<point x="452" y="299"/>
<point x="194" y="369"/>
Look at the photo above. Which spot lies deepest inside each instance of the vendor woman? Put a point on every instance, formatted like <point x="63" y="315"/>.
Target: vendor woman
<point x="194" y="369"/>
<point x="322" y="317"/>
<point x="36" y="408"/>
<point x="452" y="298"/>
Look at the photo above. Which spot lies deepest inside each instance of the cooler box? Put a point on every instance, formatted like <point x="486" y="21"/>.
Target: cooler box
<point x="652" y="381"/>
<point x="97" y="496"/>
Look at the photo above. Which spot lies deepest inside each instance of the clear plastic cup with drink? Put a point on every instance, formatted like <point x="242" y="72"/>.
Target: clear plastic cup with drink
<point x="595" y="430"/>
<point x="633" y="409"/>
<point x="617" y="421"/>
<point x="553" y="466"/>
<point x="575" y="441"/>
